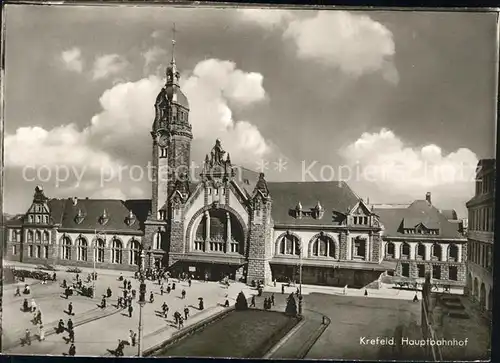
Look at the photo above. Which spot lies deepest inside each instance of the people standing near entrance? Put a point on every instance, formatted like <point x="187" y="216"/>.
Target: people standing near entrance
<point x="282" y="288"/>
<point x="272" y="299"/>
<point x="134" y="339"/>
<point x="345" y="290"/>
<point x="206" y="276"/>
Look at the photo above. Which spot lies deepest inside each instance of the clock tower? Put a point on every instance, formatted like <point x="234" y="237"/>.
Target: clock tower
<point x="171" y="142"/>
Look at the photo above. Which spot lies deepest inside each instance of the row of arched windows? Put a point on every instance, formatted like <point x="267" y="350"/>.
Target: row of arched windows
<point x="420" y="251"/>
<point x="38" y="236"/>
<point x="320" y="246"/>
<point x="82" y="250"/>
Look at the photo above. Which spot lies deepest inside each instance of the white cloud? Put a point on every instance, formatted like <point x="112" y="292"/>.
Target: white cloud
<point x="72" y="59"/>
<point x="267" y="18"/>
<point x="107" y="65"/>
<point x="154" y="56"/>
<point x="398" y="169"/>
<point x="354" y="43"/>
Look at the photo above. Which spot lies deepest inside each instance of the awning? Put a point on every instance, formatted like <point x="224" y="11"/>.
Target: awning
<point x="355" y="265"/>
<point x="213" y="259"/>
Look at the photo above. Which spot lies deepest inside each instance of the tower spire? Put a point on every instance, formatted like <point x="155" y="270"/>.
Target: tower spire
<point x="173" y="44"/>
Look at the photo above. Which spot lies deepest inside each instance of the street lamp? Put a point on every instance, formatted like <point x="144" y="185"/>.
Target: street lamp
<point x="300" y="280"/>
<point x="97" y="235"/>
<point x="142" y="301"/>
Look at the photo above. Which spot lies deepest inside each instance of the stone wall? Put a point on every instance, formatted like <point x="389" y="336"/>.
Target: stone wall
<point x="343" y="245"/>
<point x="260" y="245"/>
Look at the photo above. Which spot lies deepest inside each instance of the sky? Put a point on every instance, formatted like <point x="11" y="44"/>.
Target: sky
<point x="395" y="103"/>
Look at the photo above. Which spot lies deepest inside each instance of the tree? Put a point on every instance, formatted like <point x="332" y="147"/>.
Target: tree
<point x="291" y="306"/>
<point x="241" y="302"/>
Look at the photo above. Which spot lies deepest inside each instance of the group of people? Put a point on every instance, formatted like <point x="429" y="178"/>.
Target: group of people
<point x="33" y="308"/>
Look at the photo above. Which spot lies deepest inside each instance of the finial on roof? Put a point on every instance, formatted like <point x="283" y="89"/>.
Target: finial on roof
<point x="262" y="185"/>
<point x="104" y="214"/>
<point x="173" y="45"/>
<point x="319" y="206"/>
<point x="299" y="206"/>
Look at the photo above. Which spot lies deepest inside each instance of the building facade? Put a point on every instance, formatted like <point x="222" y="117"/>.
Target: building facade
<point x="481" y="235"/>
<point x="230" y="221"/>
<point x="421" y="238"/>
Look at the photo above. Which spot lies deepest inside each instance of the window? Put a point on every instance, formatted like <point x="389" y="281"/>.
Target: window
<point x="405" y="269"/>
<point x="13" y="235"/>
<point x="359" y="248"/>
<point x="420" y="251"/>
<point x="199" y="245"/>
<point x="45" y="251"/>
<point x="38" y="251"/>
<point x="323" y="246"/>
<point x="436" y="252"/>
<point x="30" y="236"/>
<point x="390" y="250"/>
<point x="405" y="250"/>
<point x="436" y="272"/>
<point x="66" y="248"/>
<point x="135" y="253"/>
<point x="421" y="270"/>
<point x="117" y="251"/>
<point x="157" y="241"/>
<point x="30" y="218"/>
<point x="289" y="245"/>
<point x="453" y="253"/>
<point x="82" y="244"/>
<point x="46" y="237"/>
<point x="453" y="273"/>
<point x="99" y="251"/>
<point x="30" y="251"/>
<point x="38" y="236"/>
<point x="234" y="246"/>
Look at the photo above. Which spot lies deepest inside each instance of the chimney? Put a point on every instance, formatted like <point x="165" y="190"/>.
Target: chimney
<point x="428" y="197"/>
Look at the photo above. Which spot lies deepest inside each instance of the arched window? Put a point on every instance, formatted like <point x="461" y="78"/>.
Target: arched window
<point x="405" y="250"/>
<point x="359" y="248"/>
<point x="117" y="251"/>
<point x="82" y="249"/>
<point x="38" y="236"/>
<point x="157" y="241"/>
<point x="99" y="250"/>
<point x="30" y="236"/>
<point x="323" y="246"/>
<point x="66" y="248"/>
<point x="420" y="251"/>
<point x="390" y="250"/>
<point x="436" y="252"/>
<point x="46" y="237"/>
<point x="135" y="252"/>
<point x="289" y="245"/>
<point x="453" y="252"/>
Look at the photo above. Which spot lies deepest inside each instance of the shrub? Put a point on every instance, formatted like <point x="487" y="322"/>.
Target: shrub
<point x="241" y="302"/>
<point x="27" y="274"/>
<point x="291" y="306"/>
<point x="46" y="267"/>
<point x="75" y="270"/>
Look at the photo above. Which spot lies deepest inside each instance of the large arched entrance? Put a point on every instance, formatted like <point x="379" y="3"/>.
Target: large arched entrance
<point x="217" y="245"/>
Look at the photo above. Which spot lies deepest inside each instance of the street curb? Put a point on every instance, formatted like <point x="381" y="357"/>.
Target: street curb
<point x="284" y="339"/>
<point x="314" y="337"/>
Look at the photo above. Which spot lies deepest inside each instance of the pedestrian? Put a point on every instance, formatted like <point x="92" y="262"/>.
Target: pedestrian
<point x="26" y="305"/>
<point x="64" y="284"/>
<point x="129" y="286"/>
<point x="41" y="333"/>
<point x="72" y="350"/>
<point x="265" y="303"/>
<point x="181" y="322"/>
<point x="272" y="299"/>
<point x="26" y="290"/>
<point x="274" y="282"/>
<point x="38" y="317"/>
<point x="130" y="337"/>
<point x="125" y="284"/>
<point x="186" y="312"/>
<point x="151" y="297"/>
<point x="18" y="292"/>
<point x="130" y="309"/>
<point x="125" y="292"/>
<point x="70" y="324"/>
<point x="176" y="317"/>
<point x="252" y="303"/>
<point x="164" y="308"/>
<point x="366" y="292"/>
<point x="70" y="308"/>
<point x="103" y="303"/>
<point x="282" y="288"/>
<point x="183" y="293"/>
<point x="27" y="337"/>
<point x="60" y="326"/>
<point x="54" y="276"/>
<point x="297" y="292"/>
<point x="200" y="304"/>
<point x="108" y="292"/>
<point x="206" y="276"/>
<point x="33" y="305"/>
<point x="173" y="285"/>
<point x="134" y="339"/>
<point x="168" y="289"/>
<point x="345" y="290"/>
<point x="161" y="290"/>
<point x="226" y="304"/>
<point x="71" y="336"/>
<point x="415" y="298"/>
<point x="189" y="282"/>
<point x="77" y="277"/>
<point x="134" y="294"/>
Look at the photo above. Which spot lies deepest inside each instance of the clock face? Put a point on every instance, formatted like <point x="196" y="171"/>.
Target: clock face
<point x="163" y="140"/>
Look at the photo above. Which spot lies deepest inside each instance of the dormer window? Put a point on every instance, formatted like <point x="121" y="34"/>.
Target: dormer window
<point x="318" y="211"/>
<point x="104" y="218"/>
<point x="79" y="217"/>
<point x="130" y="220"/>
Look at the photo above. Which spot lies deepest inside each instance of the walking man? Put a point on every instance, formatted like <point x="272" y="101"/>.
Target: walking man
<point x="181" y="322"/>
<point x="103" y="303"/>
<point x="183" y="293"/>
<point x="18" y="292"/>
<point x="282" y="288"/>
<point x="27" y="337"/>
<point x="151" y="297"/>
<point x="130" y="309"/>
<point x="186" y="312"/>
<point x="252" y="303"/>
<point x="71" y="336"/>
<point x="70" y="325"/>
<point x="161" y="290"/>
<point x="189" y="282"/>
<point x="72" y="350"/>
<point x="272" y="299"/>
<point x="70" y="308"/>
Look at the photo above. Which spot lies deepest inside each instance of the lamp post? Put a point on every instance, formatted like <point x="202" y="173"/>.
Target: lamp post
<point x="97" y="235"/>
<point x="142" y="301"/>
<point x="300" y="280"/>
